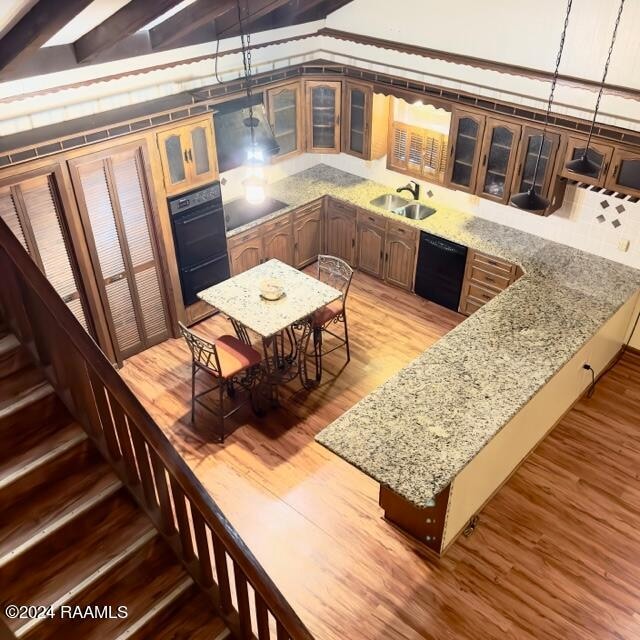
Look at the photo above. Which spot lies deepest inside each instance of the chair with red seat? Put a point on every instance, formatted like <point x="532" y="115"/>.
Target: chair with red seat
<point x="336" y="273"/>
<point x="230" y="362"/>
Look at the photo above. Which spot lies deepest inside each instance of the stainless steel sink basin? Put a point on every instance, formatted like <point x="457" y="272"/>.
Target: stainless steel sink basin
<point x="389" y="201"/>
<point x="415" y="211"/>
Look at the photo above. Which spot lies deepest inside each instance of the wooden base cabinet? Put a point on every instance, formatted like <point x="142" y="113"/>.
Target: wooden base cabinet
<point x="400" y="254"/>
<point x="277" y="240"/>
<point x="245" y="250"/>
<point x="371" y="243"/>
<point x="308" y="234"/>
<point x="340" y="231"/>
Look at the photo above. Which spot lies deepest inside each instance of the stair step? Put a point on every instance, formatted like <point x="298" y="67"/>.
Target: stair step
<point x="13" y="356"/>
<point x="189" y="617"/>
<point x="146" y="578"/>
<point x="14" y="386"/>
<point x="36" y="447"/>
<point x="81" y="553"/>
<point x="14" y="410"/>
<point x="43" y="501"/>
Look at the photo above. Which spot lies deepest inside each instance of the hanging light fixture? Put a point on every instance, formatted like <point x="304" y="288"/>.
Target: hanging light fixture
<point x="530" y="200"/>
<point x="254" y="183"/>
<point x="583" y="165"/>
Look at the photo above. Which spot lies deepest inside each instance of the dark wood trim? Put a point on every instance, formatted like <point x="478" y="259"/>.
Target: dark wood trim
<point x="127" y="20"/>
<point x="37" y="26"/>
<point x="478" y="63"/>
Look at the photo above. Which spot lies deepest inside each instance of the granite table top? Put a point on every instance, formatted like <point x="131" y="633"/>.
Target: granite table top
<point x="239" y="297"/>
<point x="420" y="428"/>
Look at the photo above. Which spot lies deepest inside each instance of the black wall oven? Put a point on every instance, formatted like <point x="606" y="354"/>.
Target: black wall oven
<point x="197" y="220"/>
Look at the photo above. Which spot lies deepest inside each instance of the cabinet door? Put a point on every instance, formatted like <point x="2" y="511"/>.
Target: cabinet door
<point x="32" y="210"/>
<point x="341" y="233"/>
<point x="371" y="249"/>
<point x="307" y="237"/>
<point x="598" y="153"/>
<point x="285" y="117"/>
<point x="465" y="140"/>
<point x="116" y="210"/>
<point x="174" y="157"/>
<point x="245" y="253"/>
<point x="498" y="159"/>
<point x="323" y="116"/>
<point x="625" y="172"/>
<point x="200" y="153"/>
<point x="277" y="240"/>
<point x="527" y="157"/>
<point x="400" y="259"/>
<point x="356" y="120"/>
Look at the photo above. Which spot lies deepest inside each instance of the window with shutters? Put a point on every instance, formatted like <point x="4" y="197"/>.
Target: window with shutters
<point x="33" y="212"/>
<point x="417" y="152"/>
<point x="116" y="212"/>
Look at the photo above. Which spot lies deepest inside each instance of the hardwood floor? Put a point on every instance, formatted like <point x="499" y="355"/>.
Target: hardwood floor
<point x="556" y="554"/>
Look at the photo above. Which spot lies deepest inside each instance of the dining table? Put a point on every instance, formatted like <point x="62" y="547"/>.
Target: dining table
<point x="284" y="325"/>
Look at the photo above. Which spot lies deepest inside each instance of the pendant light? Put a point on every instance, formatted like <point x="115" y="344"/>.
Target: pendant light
<point x="530" y="200"/>
<point x="254" y="183"/>
<point x="582" y="165"/>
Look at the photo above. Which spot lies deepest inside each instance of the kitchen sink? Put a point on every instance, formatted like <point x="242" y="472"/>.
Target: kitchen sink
<point x="389" y="201"/>
<point x="415" y="211"/>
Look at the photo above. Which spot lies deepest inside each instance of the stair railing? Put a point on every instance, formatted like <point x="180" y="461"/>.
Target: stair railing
<point x="164" y="486"/>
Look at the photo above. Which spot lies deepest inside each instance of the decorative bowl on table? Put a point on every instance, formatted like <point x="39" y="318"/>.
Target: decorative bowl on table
<point x="271" y="289"/>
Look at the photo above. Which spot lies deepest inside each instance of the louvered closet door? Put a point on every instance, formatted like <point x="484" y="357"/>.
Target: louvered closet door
<point x="117" y="213"/>
<point x="32" y="211"/>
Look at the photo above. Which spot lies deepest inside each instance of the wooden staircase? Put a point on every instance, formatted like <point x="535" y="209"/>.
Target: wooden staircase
<point x="71" y="535"/>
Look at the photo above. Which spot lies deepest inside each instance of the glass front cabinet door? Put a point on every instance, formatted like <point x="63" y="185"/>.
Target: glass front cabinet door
<point x="498" y="159"/>
<point x="624" y="175"/>
<point x="465" y="142"/>
<point x="598" y="153"/>
<point x="323" y="116"/>
<point x="357" y="116"/>
<point x="285" y="117"/>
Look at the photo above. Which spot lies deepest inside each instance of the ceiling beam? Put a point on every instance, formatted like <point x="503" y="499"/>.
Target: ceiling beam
<point x="228" y="24"/>
<point x="36" y="27"/>
<point x="196" y="15"/>
<point x="126" y="21"/>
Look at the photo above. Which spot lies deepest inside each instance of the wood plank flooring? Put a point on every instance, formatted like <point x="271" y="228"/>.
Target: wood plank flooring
<point x="556" y="554"/>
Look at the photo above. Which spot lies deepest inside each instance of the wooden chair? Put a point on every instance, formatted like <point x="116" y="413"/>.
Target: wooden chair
<point x="230" y="362"/>
<point x="336" y="273"/>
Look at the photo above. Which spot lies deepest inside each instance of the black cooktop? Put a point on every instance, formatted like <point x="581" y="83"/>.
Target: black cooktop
<point x="239" y="212"/>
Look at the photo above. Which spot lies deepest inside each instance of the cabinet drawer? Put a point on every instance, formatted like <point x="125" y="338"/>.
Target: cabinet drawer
<point x="470" y="306"/>
<point x="487" y="278"/>
<point x="308" y="209"/>
<point x="492" y="264"/>
<point x="371" y="219"/>
<point x="278" y="223"/>
<point x="245" y="236"/>
<point x="480" y="294"/>
<point x="198" y="311"/>
<point x="410" y="234"/>
<point x="342" y="207"/>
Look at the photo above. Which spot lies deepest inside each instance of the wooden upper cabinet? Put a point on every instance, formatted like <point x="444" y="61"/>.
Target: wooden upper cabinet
<point x="465" y="144"/>
<point x="307" y="234"/>
<point x="527" y="157"/>
<point x="112" y="190"/>
<point x="356" y="119"/>
<point x="598" y="153"/>
<point x="188" y="156"/>
<point x="624" y="175"/>
<point x="323" y="106"/>
<point x="32" y="208"/>
<point x="498" y="159"/>
<point x="340" y="231"/>
<point x="284" y="107"/>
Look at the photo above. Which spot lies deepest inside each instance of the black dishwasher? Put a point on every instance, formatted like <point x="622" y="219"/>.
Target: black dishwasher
<point x="440" y="270"/>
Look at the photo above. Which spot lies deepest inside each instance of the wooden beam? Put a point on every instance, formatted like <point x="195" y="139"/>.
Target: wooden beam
<point x="38" y="25"/>
<point x="228" y="25"/>
<point x="127" y="20"/>
<point x="189" y="19"/>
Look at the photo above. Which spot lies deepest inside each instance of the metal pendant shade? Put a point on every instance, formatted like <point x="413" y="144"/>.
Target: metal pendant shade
<point x="530" y="200"/>
<point x="583" y="165"/>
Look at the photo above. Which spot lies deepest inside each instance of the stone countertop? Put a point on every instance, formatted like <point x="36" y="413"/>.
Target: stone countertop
<point x="419" y="429"/>
<point x="239" y="297"/>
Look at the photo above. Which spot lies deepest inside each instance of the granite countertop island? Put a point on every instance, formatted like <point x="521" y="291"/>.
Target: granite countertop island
<point x="419" y="429"/>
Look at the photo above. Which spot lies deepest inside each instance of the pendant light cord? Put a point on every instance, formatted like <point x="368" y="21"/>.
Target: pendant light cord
<point x="552" y="92"/>
<point x="245" y="43"/>
<point x="604" y="75"/>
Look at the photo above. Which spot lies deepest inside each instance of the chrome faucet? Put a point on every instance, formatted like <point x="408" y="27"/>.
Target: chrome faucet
<point x="414" y="190"/>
